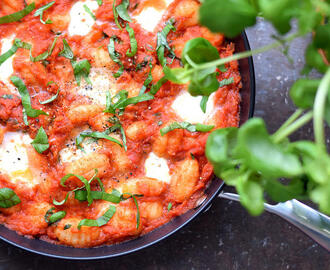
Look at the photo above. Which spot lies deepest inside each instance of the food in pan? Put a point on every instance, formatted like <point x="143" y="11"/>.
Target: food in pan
<point x="96" y="146"/>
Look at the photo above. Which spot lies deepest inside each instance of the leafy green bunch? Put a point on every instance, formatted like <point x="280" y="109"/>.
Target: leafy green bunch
<point x="249" y="158"/>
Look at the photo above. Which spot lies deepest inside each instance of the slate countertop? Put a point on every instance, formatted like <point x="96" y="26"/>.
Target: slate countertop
<point x="224" y="237"/>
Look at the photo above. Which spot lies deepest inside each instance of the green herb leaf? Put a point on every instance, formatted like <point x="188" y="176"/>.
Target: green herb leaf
<point x="40" y="142"/>
<point x="169" y="207"/>
<point x="134" y="196"/>
<point x="8" y="198"/>
<point x="102" y="220"/>
<point x="162" y="43"/>
<point x="95" y="135"/>
<point x="67" y="226"/>
<point x="236" y="15"/>
<point x="122" y="10"/>
<point x="147" y="82"/>
<point x="204" y="103"/>
<point x="226" y="82"/>
<point x="17" y="15"/>
<point x="81" y="69"/>
<point x="86" y="8"/>
<point x="115" y="56"/>
<point x="50" y="100"/>
<point x="66" y="52"/>
<point x="44" y="55"/>
<point x="99" y="2"/>
<point x="56" y="216"/>
<point x="187" y="126"/>
<point x="114" y="196"/>
<point x="6" y="96"/>
<point x="40" y="12"/>
<point x="26" y="101"/>
<point x="132" y="52"/>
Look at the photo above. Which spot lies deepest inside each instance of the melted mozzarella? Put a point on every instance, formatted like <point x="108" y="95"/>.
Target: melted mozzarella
<point x="150" y="17"/>
<point x="72" y="153"/>
<point x="188" y="108"/>
<point x="6" y="69"/>
<point x="81" y="22"/>
<point x="156" y="167"/>
<point x="14" y="160"/>
<point x="102" y="83"/>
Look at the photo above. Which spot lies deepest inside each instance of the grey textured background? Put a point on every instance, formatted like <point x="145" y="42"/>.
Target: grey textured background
<point x="224" y="237"/>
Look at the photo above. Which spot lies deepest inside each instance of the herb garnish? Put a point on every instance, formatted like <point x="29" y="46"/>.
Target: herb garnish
<point x="26" y="101"/>
<point x="7" y="96"/>
<point x="187" y="126"/>
<point x="51" y="217"/>
<point x="162" y="43"/>
<point x="86" y="8"/>
<point x="8" y="198"/>
<point x="81" y="69"/>
<point x="17" y="15"/>
<point x="169" y="207"/>
<point x="133" y="196"/>
<point x="132" y="52"/>
<point x="115" y="56"/>
<point x="102" y="220"/>
<point x="67" y="226"/>
<point x="121" y="11"/>
<point x="40" y="12"/>
<point x="99" y="2"/>
<point x="53" y="97"/>
<point x="40" y="142"/>
<point x="96" y="135"/>
<point x="147" y="82"/>
<point x="114" y="196"/>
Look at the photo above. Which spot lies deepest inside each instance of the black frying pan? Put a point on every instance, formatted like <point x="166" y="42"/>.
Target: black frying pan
<point x="103" y="252"/>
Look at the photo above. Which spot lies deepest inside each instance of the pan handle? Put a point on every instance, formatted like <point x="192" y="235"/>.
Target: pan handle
<point x="305" y="218"/>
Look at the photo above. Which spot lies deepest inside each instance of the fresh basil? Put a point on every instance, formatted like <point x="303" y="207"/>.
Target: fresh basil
<point x="118" y="126"/>
<point x="6" y="96"/>
<point x="147" y="82"/>
<point x="40" y="142"/>
<point x="8" y="198"/>
<point x="114" y="196"/>
<point x="45" y="55"/>
<point x="17" y="15"/>
<point x="51" y="217"/>
<point x="67" y="226"/>
<point x="86" y="8"/>
<point x="40" y="12"/>
<point x="102" y="220"/>
<point x="162" y="43"/>
<point x="66" y="52"/>
<point x="95" y="135"/>
<point x="115" y="56"/>
<point x="50" y="100"/>
<point x="133" y="196"/>
<point x="99" y="2"/>
<point x="203" y="103"/>
<point x="26" y="100"/>
<point x="186" y="126"/>
<point x="169" y="207"/>
<point x="131" y="52"/>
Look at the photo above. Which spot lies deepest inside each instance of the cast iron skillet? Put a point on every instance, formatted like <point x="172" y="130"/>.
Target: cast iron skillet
<point x="103" y="252"/>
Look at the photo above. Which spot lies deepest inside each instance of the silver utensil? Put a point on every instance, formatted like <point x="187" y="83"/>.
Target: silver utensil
<point x="305" y="218"/>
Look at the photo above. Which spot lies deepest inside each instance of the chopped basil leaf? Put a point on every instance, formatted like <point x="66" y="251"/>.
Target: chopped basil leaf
<point x="204" y="103"/>
<point x="118" y="126"/>
<point x="226" y="82"/>
<point x="162" y="43"/>
<point x="89" y="12"/>
<point x="26" y="101"/>
<point x="8" y="54"/>
<point x="8" y="198"/>
<point x="17" y="15"/>
<point x="187" y="126"/>
<point x="102" y="220"/>
<point x="114" y="196"/>
<point x="49" y="212"/>
<point x="56" y="216"/>
<point x="81" y="69"/>
<point x="40" y="142"/>
<point x="134" y="196"/>
<point x="132" y="52"/>
<point x="115" y="14"/>
<point x="169" y="207"/>
<point x="40" y="12"/>
<point x="67" y="226"/>
<point x="122" y="11"/>
<point x="147" y="82"/>
<point x="50" y="99"/>
<point x="115" y="56"/>
<point x="96" y="135"/>
<point x="99" y="2"/>
<point x="222" y="68"/>
<point x="66" y="52"/>
<point x="44" y="55"/>
<point x="155" y="87"/>
<point x="6" y="96"/>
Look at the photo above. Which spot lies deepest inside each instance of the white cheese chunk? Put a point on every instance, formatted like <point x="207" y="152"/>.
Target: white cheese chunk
<point x="188" y="108"/>
<point x="150" y="17"/>
<point x="156" y="167"/>
<point x="14" y="159"/>
<point x="102" y="83"/>
<point x="81" y="22"/>
<point x="6" y="69"/>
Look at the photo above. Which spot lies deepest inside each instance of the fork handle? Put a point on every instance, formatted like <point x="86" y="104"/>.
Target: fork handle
<point x="305" y="218"/>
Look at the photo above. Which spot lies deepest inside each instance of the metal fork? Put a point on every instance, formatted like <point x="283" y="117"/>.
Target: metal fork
<point x="305" y="218"/>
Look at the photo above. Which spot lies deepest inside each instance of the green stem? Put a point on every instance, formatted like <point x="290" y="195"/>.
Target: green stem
<point x="289" y="121"/>
<point x="319" y="109"/>
<point x="242" y="55"/>
<point x="279" y="136"/>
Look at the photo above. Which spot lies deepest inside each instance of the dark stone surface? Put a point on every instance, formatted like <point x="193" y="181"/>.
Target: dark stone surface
<point x="224" y="237"/>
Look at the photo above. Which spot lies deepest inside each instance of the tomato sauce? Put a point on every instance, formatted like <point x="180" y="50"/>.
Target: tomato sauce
<point x="180" y="148"/>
